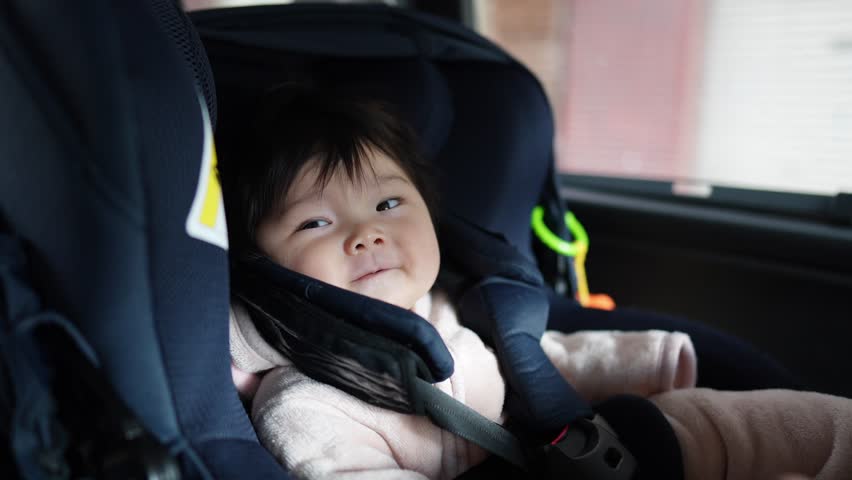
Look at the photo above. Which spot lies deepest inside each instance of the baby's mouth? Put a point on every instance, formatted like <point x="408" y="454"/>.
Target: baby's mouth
<point x="372" y="274"/>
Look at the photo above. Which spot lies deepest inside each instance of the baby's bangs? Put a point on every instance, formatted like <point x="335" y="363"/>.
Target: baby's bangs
<point x="354" y="156"/>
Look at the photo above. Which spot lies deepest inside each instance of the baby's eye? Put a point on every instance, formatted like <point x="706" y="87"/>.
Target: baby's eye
<point x="387" y="204"/>
<point x="314" y="224"/>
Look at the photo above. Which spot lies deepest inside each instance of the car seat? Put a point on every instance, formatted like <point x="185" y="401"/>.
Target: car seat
<point x="106" y="147"/>
<point x="107" y="183"/>
<point x="482" y="117"/>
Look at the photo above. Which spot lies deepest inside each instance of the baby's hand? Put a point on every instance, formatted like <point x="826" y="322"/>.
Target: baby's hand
<point x="246" y="383"/>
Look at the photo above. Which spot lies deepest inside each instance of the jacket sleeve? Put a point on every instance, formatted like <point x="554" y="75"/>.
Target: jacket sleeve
<point x="761" y="433"/>
<point x="600" y="364"/>
<point x="310" y="429"/>
<point x="249" y="351"/>
<point x="250" y="354"/>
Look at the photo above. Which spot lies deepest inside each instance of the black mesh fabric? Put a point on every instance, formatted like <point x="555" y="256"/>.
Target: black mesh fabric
<point x="180" y="30"/>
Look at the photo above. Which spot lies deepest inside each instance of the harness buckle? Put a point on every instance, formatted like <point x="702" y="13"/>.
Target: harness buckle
<point x="588" y="449"/>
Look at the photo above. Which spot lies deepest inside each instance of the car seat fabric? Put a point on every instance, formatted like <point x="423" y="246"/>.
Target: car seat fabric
<point x="103" y="139"/>
<point x="71" y="201"/>
<point x="440" y="76"/>
<point x="470" y="102"/>
<point x="492" y="105"/>
<point x="177" y="25"/>
<point x="27" y="407"/>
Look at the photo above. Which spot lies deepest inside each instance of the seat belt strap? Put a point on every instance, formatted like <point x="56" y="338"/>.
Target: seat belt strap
<point x="459" y="419"/>
<point x="589" y="449"/>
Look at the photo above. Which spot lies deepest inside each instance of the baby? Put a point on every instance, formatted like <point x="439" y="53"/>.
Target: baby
<point x="332" y="188"/>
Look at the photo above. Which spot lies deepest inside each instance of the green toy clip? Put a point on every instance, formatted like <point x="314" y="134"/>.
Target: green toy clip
<point x="576" y="249"/>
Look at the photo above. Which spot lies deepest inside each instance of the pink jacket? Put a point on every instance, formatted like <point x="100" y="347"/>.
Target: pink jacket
<point x="319" y="432"/>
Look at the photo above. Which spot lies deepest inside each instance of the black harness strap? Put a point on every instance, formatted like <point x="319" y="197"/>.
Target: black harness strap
<point x="459" y="419"/>
<point x="588" y="449"/>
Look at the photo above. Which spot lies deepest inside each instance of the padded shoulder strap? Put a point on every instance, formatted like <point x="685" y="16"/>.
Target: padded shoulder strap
<point x="343" y="338"/>
<point x="500" y="295"/>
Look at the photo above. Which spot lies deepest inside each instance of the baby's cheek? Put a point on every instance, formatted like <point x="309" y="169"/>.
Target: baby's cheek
<point x="429" y="257"/>
<point x="316" y="266"/>
<point x="298" y="263"/>
<point x="290" y="258"/>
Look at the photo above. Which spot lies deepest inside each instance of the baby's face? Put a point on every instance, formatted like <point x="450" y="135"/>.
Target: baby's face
<point x="374" y="237"/>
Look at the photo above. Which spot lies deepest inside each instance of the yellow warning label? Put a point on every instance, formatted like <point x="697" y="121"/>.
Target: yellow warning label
<point x="206" y="219"/>
<point x="213" y="197"/>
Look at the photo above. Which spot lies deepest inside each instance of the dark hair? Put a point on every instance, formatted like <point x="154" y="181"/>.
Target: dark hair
<point x="297" y="123"/>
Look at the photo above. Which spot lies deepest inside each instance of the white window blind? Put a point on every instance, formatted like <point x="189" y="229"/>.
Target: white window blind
<point x="775" y="108"/>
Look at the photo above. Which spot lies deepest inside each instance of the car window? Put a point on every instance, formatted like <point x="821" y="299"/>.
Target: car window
<point x="745" y="94"/>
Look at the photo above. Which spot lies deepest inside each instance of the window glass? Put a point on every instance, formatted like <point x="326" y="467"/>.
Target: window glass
<point x="742" y="93"/>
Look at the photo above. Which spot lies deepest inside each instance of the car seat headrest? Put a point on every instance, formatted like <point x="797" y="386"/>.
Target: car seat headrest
<point x="179" y="28"/>
<point x="415" y="88"/>
<point x="481" y="116"/>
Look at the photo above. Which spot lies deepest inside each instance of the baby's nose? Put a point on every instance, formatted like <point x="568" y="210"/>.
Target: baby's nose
<point x="364" y="238"/>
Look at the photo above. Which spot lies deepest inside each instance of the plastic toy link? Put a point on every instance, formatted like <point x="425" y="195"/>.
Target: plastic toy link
<point x="577" y="250"/>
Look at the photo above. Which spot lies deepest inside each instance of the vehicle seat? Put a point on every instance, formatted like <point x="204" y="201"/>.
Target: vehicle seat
<point x="106" y="148"/>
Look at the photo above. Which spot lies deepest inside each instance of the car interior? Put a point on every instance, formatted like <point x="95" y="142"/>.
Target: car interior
<point x="115" y="279"/>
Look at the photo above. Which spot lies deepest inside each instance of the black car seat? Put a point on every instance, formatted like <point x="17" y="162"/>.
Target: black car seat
<point x="106" y="148"/>
<point x="482" y="117"/>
